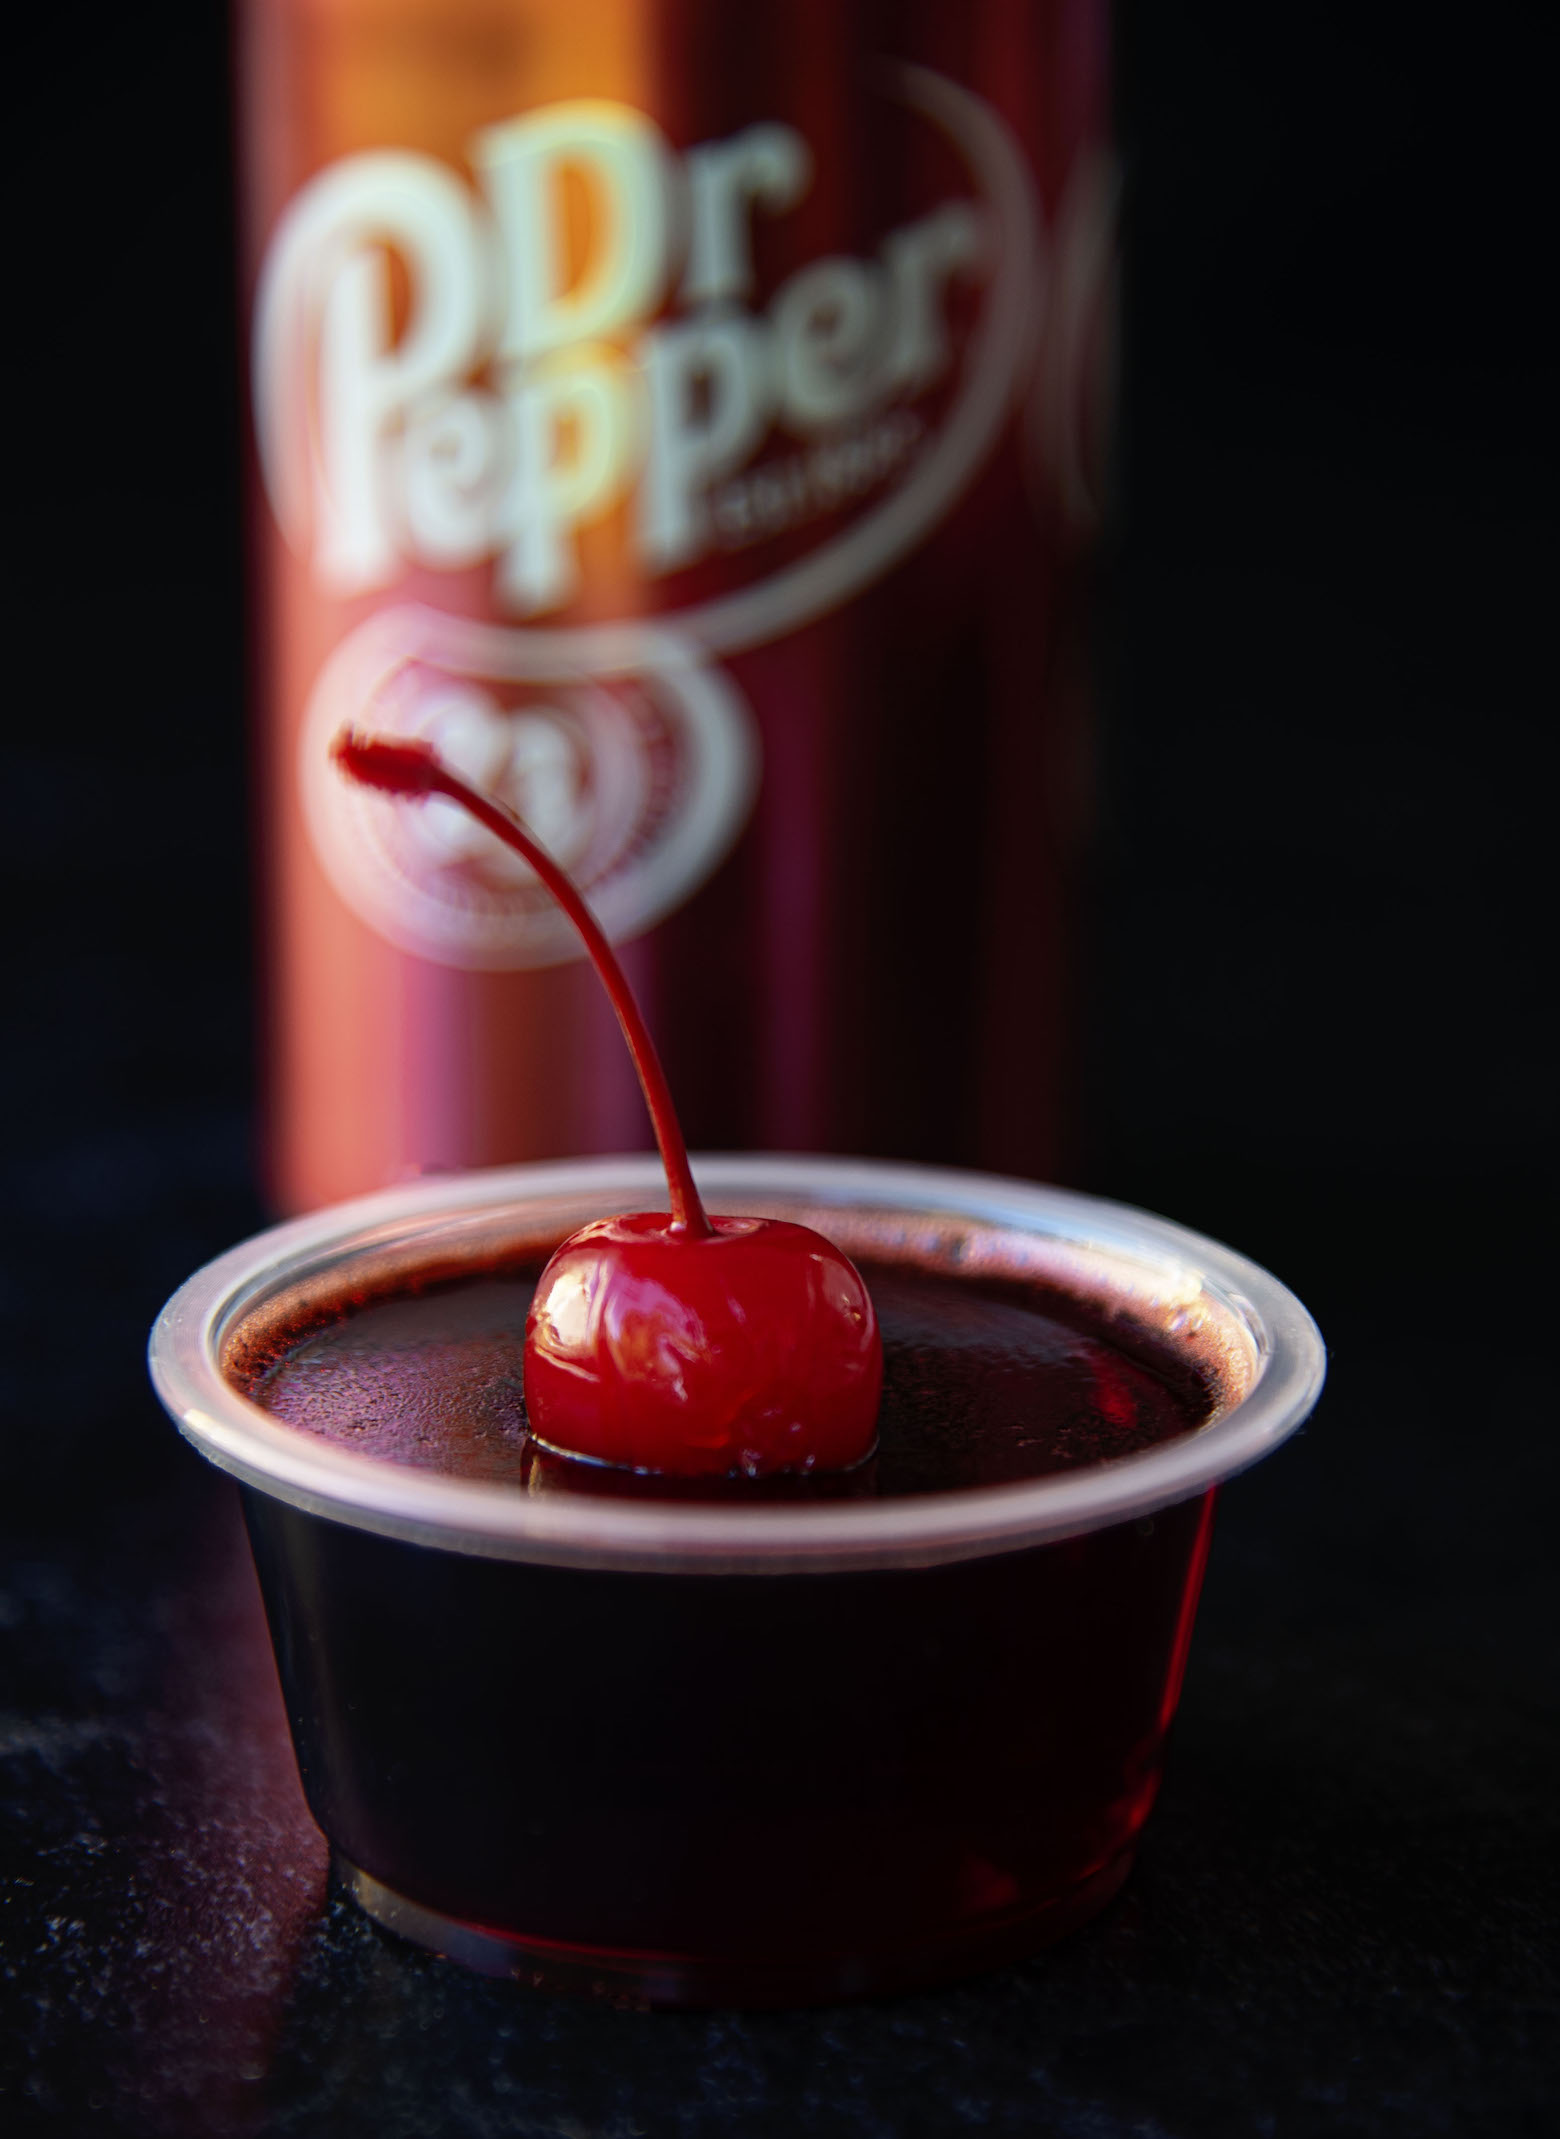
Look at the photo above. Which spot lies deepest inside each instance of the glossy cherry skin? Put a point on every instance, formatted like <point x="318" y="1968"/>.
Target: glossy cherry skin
<point x="748" y="1351"/>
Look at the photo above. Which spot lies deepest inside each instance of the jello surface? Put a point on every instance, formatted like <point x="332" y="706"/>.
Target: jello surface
<point x="985" y="1382"/>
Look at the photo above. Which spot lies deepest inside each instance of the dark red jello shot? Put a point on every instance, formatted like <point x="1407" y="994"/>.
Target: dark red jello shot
<point x="736" y="1741"/>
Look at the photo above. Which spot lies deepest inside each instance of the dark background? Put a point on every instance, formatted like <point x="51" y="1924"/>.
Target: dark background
<point x="1317" y="968"/>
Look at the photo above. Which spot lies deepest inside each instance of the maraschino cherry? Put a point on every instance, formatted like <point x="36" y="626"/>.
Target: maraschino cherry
<point x="673" y="1343"/>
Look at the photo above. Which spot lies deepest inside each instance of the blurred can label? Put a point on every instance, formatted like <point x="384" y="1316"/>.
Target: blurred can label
<point x="608" y="381"/>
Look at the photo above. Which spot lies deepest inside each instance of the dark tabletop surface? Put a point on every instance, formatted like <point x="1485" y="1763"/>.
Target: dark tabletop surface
<point x="1320" y="758"/>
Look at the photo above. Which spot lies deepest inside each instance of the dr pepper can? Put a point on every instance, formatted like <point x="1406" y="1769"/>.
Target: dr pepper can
<point x="690" y="417"/>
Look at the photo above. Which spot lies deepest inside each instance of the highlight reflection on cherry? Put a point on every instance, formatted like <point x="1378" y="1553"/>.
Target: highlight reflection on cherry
<point x="669" y="1342"/>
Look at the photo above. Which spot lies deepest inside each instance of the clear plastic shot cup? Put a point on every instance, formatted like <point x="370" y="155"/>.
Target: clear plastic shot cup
<point x="682" y="1752"/>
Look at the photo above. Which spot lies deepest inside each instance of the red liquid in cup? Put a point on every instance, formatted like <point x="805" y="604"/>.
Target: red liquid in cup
<point x="705" y="1787"/>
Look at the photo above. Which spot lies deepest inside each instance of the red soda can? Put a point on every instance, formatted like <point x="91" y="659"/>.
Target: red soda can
<point x="689" y="418"/>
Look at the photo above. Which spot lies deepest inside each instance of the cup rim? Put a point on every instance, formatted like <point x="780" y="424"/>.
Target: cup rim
<point x="1180" y="1269"/>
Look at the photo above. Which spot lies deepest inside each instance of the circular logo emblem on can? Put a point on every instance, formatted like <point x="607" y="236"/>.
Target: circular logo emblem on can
<point x="637" y="783"/>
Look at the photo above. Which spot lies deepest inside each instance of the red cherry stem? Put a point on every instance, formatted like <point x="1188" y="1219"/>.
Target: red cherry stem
<point x="415" y="769"/>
